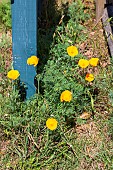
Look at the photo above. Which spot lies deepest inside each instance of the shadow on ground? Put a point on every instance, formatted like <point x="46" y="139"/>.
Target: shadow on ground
<point x="49" y="18"/>
<point x="47" y="22"/>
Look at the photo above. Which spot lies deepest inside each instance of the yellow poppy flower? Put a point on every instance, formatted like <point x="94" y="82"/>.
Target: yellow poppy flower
<point x="93" y="61"/>
<point x="66" y="96"/>
<point x="51" y="123"/>
<point x="89" y="77"/>
<point x="33" y="60"/>
<point x="72" y="51"/>
<point x="13" y="74"/>
<point x="83" y="63"/>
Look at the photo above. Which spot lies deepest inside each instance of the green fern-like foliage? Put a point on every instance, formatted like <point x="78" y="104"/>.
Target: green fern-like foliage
<point x="5" y="13"/>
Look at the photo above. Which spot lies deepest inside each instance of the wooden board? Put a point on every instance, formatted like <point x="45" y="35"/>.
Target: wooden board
<point x="24" y="41"/>
<point x="108" y="26"/>
<point x="99" y="9"/>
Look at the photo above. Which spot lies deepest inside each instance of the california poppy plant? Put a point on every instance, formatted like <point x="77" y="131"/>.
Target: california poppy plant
<point x="72" y="51"/>
<point x="93" y="61"/>
<point x="13" y="74"/>
<point x="66" y="96"/>
<point x="51" y="123"/>
<point x="33" y="60"/>
<point x="89" y="77"/>
<point x="83" y="63"/>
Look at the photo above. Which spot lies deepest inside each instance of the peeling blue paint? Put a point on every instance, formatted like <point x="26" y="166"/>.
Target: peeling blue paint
<point x="24" y="40"/>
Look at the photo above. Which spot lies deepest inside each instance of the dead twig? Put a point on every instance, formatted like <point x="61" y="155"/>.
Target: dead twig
<point x="33" y="141"/>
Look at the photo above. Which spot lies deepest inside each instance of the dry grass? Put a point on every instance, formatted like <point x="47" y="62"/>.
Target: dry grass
<point x="94" y="132"/>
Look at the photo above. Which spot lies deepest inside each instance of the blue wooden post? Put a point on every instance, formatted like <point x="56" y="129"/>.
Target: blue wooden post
<point x="24" y="40"/>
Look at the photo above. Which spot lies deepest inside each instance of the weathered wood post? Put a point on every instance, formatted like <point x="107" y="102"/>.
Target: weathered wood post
<point x="99" y="9"/>
<point x="100" y="5"/>
<point x="24" y="41"/>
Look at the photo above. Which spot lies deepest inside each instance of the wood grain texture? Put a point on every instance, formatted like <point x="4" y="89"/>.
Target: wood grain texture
<point x="100" y="5"/>
<point x="24" y="40"/>
<point x="99" y="9"/>
<point x="108" y="27"/>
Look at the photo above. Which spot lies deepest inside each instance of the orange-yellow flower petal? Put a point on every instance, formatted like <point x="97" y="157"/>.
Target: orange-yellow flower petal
<point x="72" y="51"/>
<point x="51" y="123"/>
<point x="66" y="96"/>
<point x="93" y="61"/>
<point x="33" y="60"/>
<point x="83" y="63"/>
<point x="89" y="77"/>
<point x="13" y="74"/>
